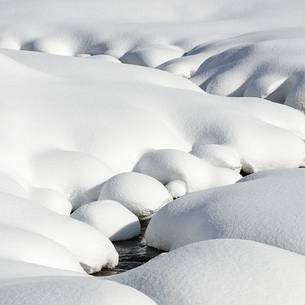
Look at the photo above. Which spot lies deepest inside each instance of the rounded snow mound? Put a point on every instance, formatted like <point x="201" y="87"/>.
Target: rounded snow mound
<point x="109" y="217"/>
<point x="70" y="291"/>
<point x="141" y="194"/>
<point x="267" y="208"/>
<point x="221" y="272"/>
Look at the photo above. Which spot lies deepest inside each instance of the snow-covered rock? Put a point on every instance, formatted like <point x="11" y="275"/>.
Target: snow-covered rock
<point x="267" y="208"/>
<point x="90" y="247"/>
<point x="221" y="272"/>
<point x="109" y="217"/>
<point x="69" y="291"/>
<point x="141" y="194"/>
<point x="21" y="245"/>
<point x="168" y="165"/>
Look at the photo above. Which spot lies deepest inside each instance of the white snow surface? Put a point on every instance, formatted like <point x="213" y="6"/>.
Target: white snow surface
<point x="141" y="194"/>
<point x="69" y="291"/>
<point x="267" y="208"/>
<point x="227" y="47"/>
<point x="17" y="244"/>
<point x="109" y="217"/>
<point x="221" y="272"/>
<point x="92" y="249"/>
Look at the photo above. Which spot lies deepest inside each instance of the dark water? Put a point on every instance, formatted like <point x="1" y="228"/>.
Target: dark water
<point x="133" y="253"/>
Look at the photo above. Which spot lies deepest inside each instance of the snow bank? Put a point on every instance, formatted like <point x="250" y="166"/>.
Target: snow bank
<point x="266" y="208"/>
<point x="139" y="193"/>
<point x="21" y="245"/>
<point x="221" y="272"/>
<point x="70" y="291"/>
<point x="90" y="247"/>
<point x="168" y="165"/>
<point x="109" y="217"/>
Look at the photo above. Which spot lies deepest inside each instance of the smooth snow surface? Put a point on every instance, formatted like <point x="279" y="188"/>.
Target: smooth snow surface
<point x="91" y="248"/>
<point x="234" y="48"/>
<point x="139" y="193"/>
<point x="267" y="208"/>
<point x="109" y="217"/>
<point x="221" y="272"/>
<point x="69" y="291"/>
<point x="29" y="247"/>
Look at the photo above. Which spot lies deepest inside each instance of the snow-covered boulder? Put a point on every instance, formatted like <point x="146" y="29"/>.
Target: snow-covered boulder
<point x="266" y="209"/>
<point x="67" y="290"/>
<point x="168" y="165"/>
<point x="221" y="272"/>
<point x="141" y="194"/>
<point x="91" y="248"/>
<point x="17" y="244"/>
<point x="109" y="217"/>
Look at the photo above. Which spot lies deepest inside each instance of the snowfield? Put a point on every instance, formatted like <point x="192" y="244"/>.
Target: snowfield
<point x="116" y="112"/>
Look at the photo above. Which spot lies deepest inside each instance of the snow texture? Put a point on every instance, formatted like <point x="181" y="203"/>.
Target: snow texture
<point x="267" y="208"/>
<point x="221" y="272"/>
<point x="109" y="217"/>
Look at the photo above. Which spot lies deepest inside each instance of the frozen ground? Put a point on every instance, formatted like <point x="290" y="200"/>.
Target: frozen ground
<point x="112" y="110"/>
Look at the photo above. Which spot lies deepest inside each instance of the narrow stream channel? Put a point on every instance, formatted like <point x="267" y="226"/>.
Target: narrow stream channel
<point x="133" y="253"/>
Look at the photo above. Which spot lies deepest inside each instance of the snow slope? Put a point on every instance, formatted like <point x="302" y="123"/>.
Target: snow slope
<point x="221" y="272"/>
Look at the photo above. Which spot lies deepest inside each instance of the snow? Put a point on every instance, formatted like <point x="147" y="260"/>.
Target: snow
<point x="141" y="194"/>
<point x="267" y="208"/>
<point x="69" y="291"/>
<point x="168" y="165"/>
<point x="109" y="217"/>
<point x="221" y="272"/>
<point x="91" y="248"/>
<point x="95" y="119"/>
<point x="52" y="200"/>
<point x="21" y="245"/>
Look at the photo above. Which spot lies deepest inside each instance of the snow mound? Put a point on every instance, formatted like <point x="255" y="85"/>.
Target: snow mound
<point x="70" y="291"/>
<point x="221" y="272"/>
<point x="91" y="248"/>
<point x="267" y="208"/>
<point x="109" y="217"/>
<point x="141" y="194"/>
<point x="168" y="165"/>
<point x="21" y="245"/>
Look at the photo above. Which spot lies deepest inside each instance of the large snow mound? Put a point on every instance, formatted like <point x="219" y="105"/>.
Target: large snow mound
<point x="221" y="272"/>
<point x="69" y="291"/>
<point x="109" y="217"/>
<point x="267" y="208"/>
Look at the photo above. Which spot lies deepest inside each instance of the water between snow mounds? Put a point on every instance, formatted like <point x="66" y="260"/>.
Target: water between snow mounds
<point x="133" y="253"/>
